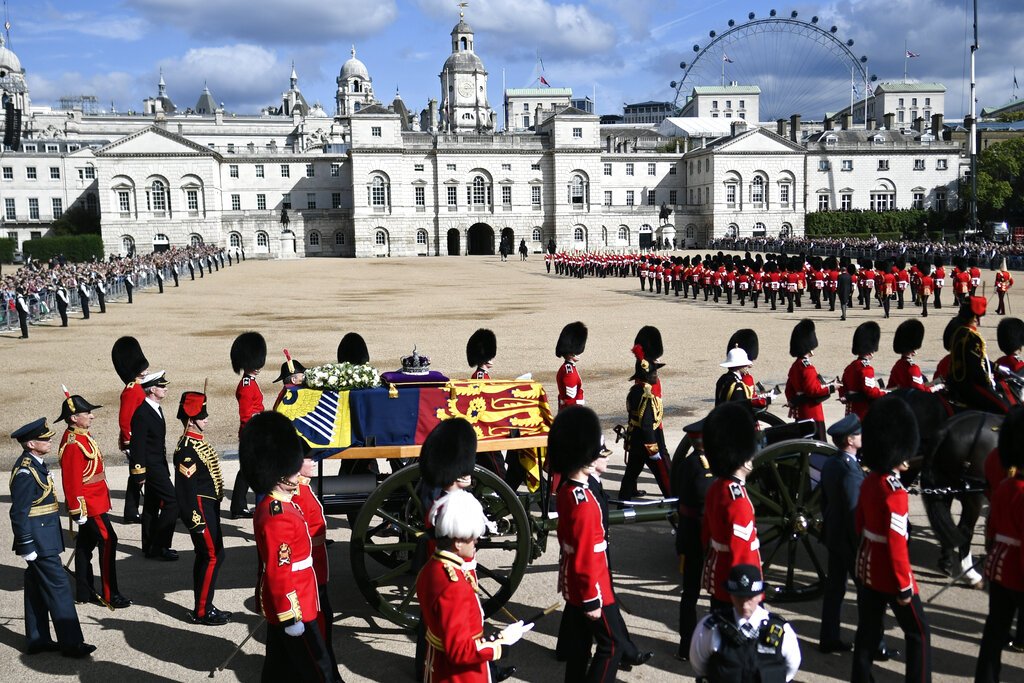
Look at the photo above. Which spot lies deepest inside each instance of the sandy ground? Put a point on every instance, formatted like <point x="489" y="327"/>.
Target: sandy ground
<point x="306" y="307"/>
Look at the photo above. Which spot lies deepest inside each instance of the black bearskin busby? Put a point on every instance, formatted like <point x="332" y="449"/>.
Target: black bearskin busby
<point x="730" y="438"/>
<point x="129" y="361"/>
<point x="248" y="352"/>
<point x="1011" y="439"/>
<point x="1010" y="334"/>
<point x="574" y="440"/>
<point x="352" y="349"/>
<point x="269" y="449"/>
<point x="746" y="339"/>
<point x="481" y="348"/>
<point x="572" y="340"/>
<point x="890" y="434"/>
<point x="649" y="338"/>
<point x="449" y="452"/>
<point x="947" y="334"/>
<point x="803" y="340"/>
<point x="866" y="338"/>
<point x="909" y="336"/>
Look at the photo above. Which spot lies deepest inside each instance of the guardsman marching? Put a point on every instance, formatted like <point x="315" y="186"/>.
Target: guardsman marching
<point x="270" y="455"/>
<point x="131" y="366"/>
<point x="859" y="386"/>
<point x="643" y="443"/>
<point x="975" y="274"/>
<point x="85" y="490"/>
<point x="248" y="356"/>
<point x="572" y="341"/>
<point x="147" y="459"/>
<point x="805" y="390"/>
<point x="1010" y="335"/>
<point x="906" y="373"/>
<point x="926" y="283"/>
<point x="38" y="540"/>
<point x="883" y="521"/>
<point x="939" y="278"/>
<point x="199" y="488"/>
<point x="1003" y="283"/>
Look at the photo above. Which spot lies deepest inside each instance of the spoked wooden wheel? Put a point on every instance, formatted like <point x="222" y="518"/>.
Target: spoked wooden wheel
<point x="784" y="488"/>
<point x="390" y="525"/>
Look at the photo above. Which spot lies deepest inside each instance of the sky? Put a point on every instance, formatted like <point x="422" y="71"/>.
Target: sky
<point x="615" y="51"/>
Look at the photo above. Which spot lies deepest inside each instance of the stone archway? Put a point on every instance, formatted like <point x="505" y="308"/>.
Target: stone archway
<point x="453" y="242"/>
<point x="480" y="240"/>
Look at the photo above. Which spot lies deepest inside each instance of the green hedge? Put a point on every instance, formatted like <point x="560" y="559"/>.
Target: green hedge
<point x="7" y="247"/>
<point x="74" y="247"/>
<point x="910" y="223"/>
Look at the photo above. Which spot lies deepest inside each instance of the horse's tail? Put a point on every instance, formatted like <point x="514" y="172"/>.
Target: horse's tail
<point x="938" y="508"/>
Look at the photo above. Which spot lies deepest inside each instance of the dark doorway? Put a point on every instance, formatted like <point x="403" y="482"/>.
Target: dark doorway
<point x="453" y="242"/>
<point x="481" y="240"/>
<point x="646" y="240"/>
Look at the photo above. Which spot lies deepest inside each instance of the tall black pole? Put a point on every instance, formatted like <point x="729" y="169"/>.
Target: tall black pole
<point x="974" y="130"/>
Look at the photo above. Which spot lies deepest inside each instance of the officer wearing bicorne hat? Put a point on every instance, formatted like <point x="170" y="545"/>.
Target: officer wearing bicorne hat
<point x="248" y="356"/>
<point x="148" y="462"/>
<point x="859" y="386"/>
<point x="131" y="366"/>
<point x="85" y="489"/>
<point x="199" y="489"/>
<point x="293" y="374"/>
<point x="805" y="389"/>
<point x="38" y="540"/>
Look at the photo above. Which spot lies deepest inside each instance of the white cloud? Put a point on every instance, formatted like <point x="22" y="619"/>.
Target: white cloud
<point x="121" y="88"/>
<point x="271" y="21"/>
<point x="247" y="77"/>
<point x="109" y="26"/>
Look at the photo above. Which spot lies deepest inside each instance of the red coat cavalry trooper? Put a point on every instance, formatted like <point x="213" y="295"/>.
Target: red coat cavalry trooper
<point x="131" y="366"/>
<point x="571" y="342"/>
<point x="270" y="456"/>
<point x="805" y="389"/>
<point x="890" y="437"/>
<point x="1003" y="283"/>
<point x="88" y="500"/>
<point x="248" y="356"/>
<point x="481" y="349"/>
<point x="906" y="373"/>
<point x="1010" y="335"/>
<point x="859" y="386"/>
<point x="729" y="529"/>
<point x="970" y="374"/>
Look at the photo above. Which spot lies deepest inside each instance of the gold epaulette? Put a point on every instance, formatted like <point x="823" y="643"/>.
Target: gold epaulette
<point x="453" y="575"/>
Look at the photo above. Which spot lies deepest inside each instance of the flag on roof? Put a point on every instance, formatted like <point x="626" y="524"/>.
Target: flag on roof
<point x="725" y="58"/>
<point x="544" y="82"/>
<point x="912" y="54"/>
<point x="855" y="91"/>
<point x="871" y="91"/>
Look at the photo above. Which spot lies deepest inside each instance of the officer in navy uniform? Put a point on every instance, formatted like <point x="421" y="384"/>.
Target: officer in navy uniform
<point x="147" y="457"/>
<point x="38" y="540"/>
<point x="744" y="642"/>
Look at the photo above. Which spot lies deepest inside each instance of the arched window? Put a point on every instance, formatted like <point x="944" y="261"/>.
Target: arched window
<point x="579" y="191"/>
<point x="357" y="86"/>
<point x="339" y="239"/>
<point x="380" y="238"/>
<point x="262" y="240"/>
<point x="759" y="230"/>
<point x="128" y="244"/>
<point x="314" y="239"/>
<point x="481" y="193"/>
<point x="757" y="190"/>
<point x="421" y="237"/>
<point x="786" y="230"/>
<point x="195" y="239"/>
<point x="235" y="240"/>
<point x="157" y="196"/>
<point x="577" y="234"/>
<point x="379" y="192"/>
<point x="623" y="235"/>
<point x="732" y="231"/>
<point x="536" y="235"/>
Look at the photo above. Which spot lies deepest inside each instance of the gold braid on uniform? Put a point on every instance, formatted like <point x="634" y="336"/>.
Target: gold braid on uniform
<point x="91" y="454"/>
<point x="209" y="458"/>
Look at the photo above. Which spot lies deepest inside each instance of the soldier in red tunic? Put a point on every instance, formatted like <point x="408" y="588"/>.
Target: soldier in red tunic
<point x="939" y="278"/>
<point x="890" y="438"/>
<point x="248" y="356"/>
<point x="1003" y="283"/>
<point x="961" y="283"/>
<point x="131" y="366"/>
<point x="906" y="373"/>
<point x="805" y="389"/>
<point x="1010" y="335"/>
<point x="88" y="501"/>
<point x="859" y="386"/>
<point x="926" y="284"/>
<point x="571" y="342"/>
<point x="729" y="530"/>
<point x="270" y="457"/>
<point x="481" y="349"/>
<point x="1004" y="565"/>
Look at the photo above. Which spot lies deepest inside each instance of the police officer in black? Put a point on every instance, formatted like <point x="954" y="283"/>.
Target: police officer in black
<point x="39" y="541"/>
<point x="744" y="642"/>
<point x="22" y="306"/>
<point x="62" y="304"/>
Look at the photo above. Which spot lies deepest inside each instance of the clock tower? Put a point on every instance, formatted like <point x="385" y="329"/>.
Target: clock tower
<point x="464" y="107"/>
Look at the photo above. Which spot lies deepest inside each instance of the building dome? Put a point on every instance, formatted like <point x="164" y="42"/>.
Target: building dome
<point x="461" y="27"/>
<point x="317" y="112"/>
<point x="463" y="62"/>
<point x="9" y="61"/>
<point x="353" y="68"/>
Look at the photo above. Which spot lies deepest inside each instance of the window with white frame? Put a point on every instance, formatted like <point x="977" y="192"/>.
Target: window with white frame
<point x="453" y="198"/>
<point x="379" y="192"/>
<point x="261" y="202"/>
<point x="480" y="192"/>
<point x="90" y="172"/>
<point x="577" y="190"/>
<point x="235" y="240"/>
<point x="535" y="195"/>
<point x="58" y="207"/>
<point x="260" y="171"/>
<point x="421" y="237"/>
<point x="918" y="164"/>
<point x="730" y="194"/>
<point x="607" y="169"/>
<point x="233" y="170"/>
<point x="672" y="169"/>
<point x="335" y="200"/>
<point x="236" y="202"/>
<point x="759" y="229"/>
<point x="757" y="190"/>
<point x="380" y="238"/>
<point x="882" y="201"/>
<point x="629" y="168"/>
<point x="314" y="239"/>
<point x="847" y="164"/>
<point x="9" y="172"/>
<point x="506" y="195"/>
<point x="339" y="239"/>
<point x="421" y="195"/>
<point x="623" y="234"/>
<point x="286" y="171"/>
<point x="673" y="195"/>
<point x="262" y="240"/>
<point x="506" y="167"/>
<point x="823" y="165"/>
<point x="451" y="167"/>
<point x="577" y="234"/>
<point x="310" y="171"/>
<point x="30" y="172"/>
<point x="375" y="131"/>
<point x="9" y="210"/>
<point x="940" y="200"/>
<point x="846" y="201"/>
<point x="784" y="194"/>
<point x="940" y="165"/>
<point x="535" y="235"/>
<point x="157" y="196"/>
<point x="417" y="167"/>
<point x="192" y="200"/>
<point x="311" y="200"/>
<point x="822" y="202"/>
<point x="883" y="164"/>
<point x="629" y="198"/>
<point x="918" y="200"/>
<point x="335" y="170"/>
<point x="607" y="197"/>
<point x="124" y="201"/>
<point x="652" y="169"/>
<point x="577" y="133"/>
<point x="286" y="200"/>
<point x="33" y="209"/>
<point x="651" y="198"/>
<point x="535" y="167"/>
<point x="55" y="173"/>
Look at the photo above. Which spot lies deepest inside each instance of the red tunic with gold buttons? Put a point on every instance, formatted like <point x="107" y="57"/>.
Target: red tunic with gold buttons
<point x="805" y="392"/>
<point x="883" y="513"/>
<point x="1005" y="562"/>
<point x="730" y="533"/>
<point x="583" y="575"/>
<point x="250" y="399"/>
<point x="287" y="588"/>
<point x="570" y="386"/>
<point x="906" y="374"/>
<point x="456" y="648"/>
<point x="82" y="474"/>
<point x="313" y="512"/>
<point x="132" y="397"/>
<point x="859" y="387"/>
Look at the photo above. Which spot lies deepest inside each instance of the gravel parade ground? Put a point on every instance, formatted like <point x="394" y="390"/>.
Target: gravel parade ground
<point x="435" y="304"/>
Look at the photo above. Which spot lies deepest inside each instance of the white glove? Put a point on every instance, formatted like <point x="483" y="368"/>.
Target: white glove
<point x="1003" y="369"/>
<point x="31" y="557"/>
<point x="80" y="520"/>
<point x="296" y="629"/>
<point x="512" y="633"/>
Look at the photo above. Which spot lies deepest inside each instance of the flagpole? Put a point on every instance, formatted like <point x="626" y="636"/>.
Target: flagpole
<point x="906" y="57"/>
<point x="723" y="69"/>
<point x="852" y="86"/>
<point x="974" y="129"/>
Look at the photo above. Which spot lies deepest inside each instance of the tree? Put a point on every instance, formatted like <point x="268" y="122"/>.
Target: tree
<point x="1000" y="181"/>
<point x="77" y="221"/>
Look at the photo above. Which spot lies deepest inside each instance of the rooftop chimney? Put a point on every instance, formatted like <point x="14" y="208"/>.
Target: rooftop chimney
<point x="937" y="126"/>
<point x="794" y="127"/>
<point x="890" y="120"/>
<point x="780" y="127"/>
<point x="829" y="124"/>
<point x="872" y="123"/>
<point x="739" y="127"/>
<point x="847" y="121"/>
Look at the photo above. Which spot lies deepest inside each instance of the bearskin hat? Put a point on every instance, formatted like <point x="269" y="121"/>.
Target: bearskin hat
<point x="865" y="264"/>
<point x="1011" y="439"/>
<point x="352" y="349"/>
<point x="909" y="336"/>
<point x="481" y="348"/>
<point x="729" y="437"/>
<point x="746" y="339"/>
<point x="574" y="440"/>
<point x="269" y="449"/>
<point x="248" y="352"/>
<point x="649" y="338"/>
<point x="866" y="338"/>
<point x="890" y="434"/>
<point x="449" y="452"/>
<point x="129" y="361"/>
<point x="572" y="340"/>
<point x="803" y="339"/>
<point x="938" y="261"/>
<point x="1010" y="334"/>
<point x="947" y="334"/>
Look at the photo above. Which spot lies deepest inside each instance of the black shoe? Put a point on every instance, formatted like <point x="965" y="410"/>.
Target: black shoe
<point x="501" y="673"/>
<point x="640" y="658"/>
<point x="131" y="519"/>
<point x="244" y="513"/>
<point x="48" y="646"/>
<point x="208" y="619"/>
<point x="683" y="651"/>
<point x="79" y="651"/>
<point x="828" y="647"/>
<point x="118" y="601"/>
<point x="884" y="654"/>
<point x="165" y="554"/>
<point x="220" y="612"/>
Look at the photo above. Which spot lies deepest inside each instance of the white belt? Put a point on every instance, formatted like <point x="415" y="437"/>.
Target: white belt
<point x="601" y="547"/>
<point x="302" y="564"/>
<point x="1007" y="540"/>
<point x="720" y="547"/>
<point x="872" y="536"/>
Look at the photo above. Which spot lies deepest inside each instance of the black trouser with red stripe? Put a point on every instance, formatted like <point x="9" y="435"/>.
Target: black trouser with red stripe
<point x="638" y="456"/>
<point x="297" y="658"/>
<point x="209" y="544"/>
<point x="871" y="606"/>
<point x="580" y="632"/>
<point x="96" y="532"/>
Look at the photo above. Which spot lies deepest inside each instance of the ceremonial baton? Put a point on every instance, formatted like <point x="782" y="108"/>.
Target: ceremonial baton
<point x="543" y="613"/>
<point x="213" y="672"/>
<point x="956" y="578"/>
<point x="73" y="577"/>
